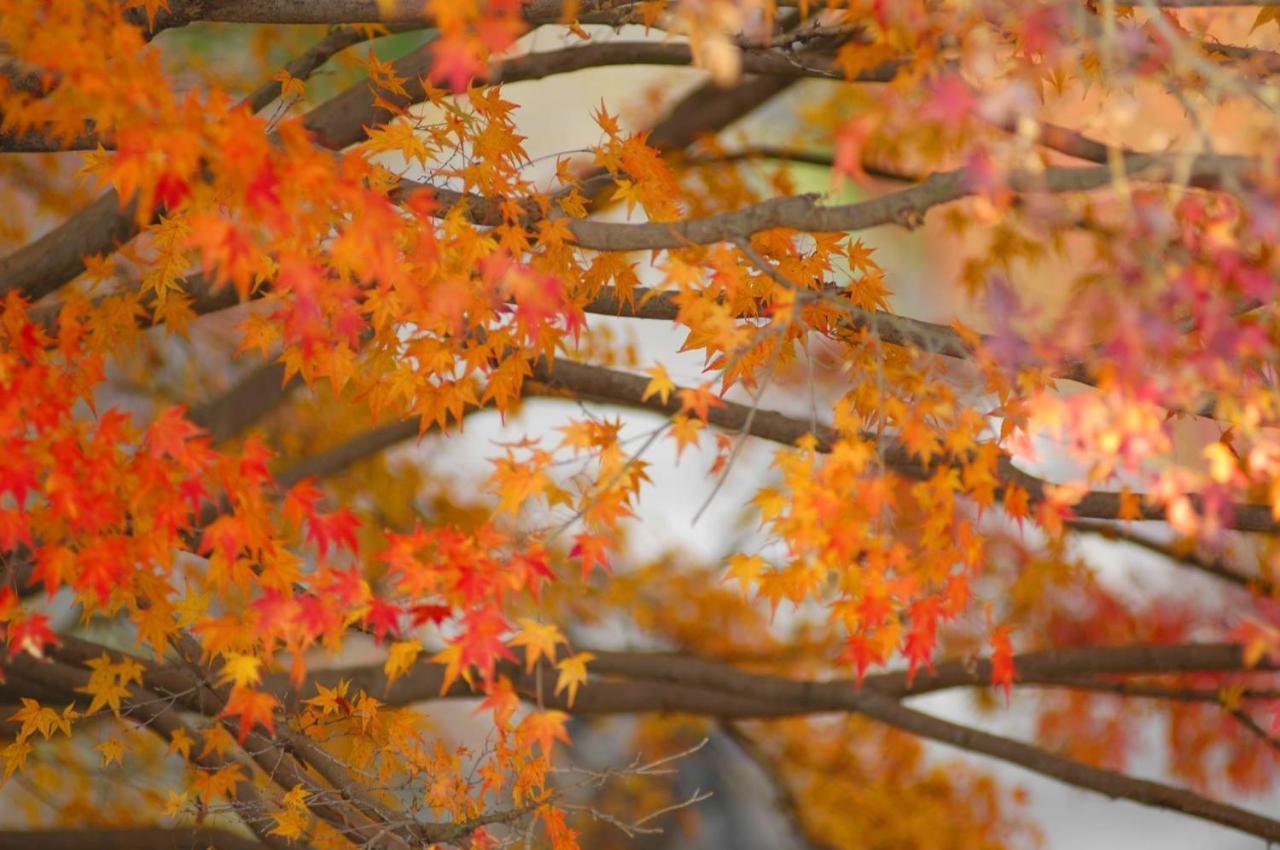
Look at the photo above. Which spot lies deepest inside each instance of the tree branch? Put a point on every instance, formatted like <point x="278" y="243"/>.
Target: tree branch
<point x="707" y="687"/>
<point x="41" y="267"/>
<point x="704" y="687"/>
<point x="127" y="838"/>
<point x="598" y="383"/>
<point x="1216" y="567"/>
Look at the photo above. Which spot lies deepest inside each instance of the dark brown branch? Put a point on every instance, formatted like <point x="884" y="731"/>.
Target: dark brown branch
<point x="410" y="11"/>
<point x="331" y="12"/>
<point x="906" y="207"/>
<point x="272" y="755"/>
<point x="784" y="799"/>
<point x="129" y="838"/>
<point x="704" y="687"/>
<point x="597" y="383"/>
<point x="342" y="121"/>
<point x="641" y="682"/>
<point x="1111" y="783"/>
<point x="1265" y="60"/>
<point x="1215" y="696"/>
<point x="698" y="686"/>
<point x="1215" y="567"/>
<point x="41" y="267"/>
<point x="245" y="403"/>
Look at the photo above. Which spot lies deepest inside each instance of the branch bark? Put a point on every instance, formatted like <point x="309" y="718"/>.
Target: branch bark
<point x="600" y="384"/>
<point x="130" y="838"/>
<point x="679" y="683"/>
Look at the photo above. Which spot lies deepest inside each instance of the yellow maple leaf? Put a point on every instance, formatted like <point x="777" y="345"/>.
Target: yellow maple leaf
<point x="293" y="819"/>
<point x="241" y="670"/>
<point x="538" y="639"/>
<point x="400" y="657"/>
<point x="175" y="802"/>
<point x="745" y="568"/>
<point x="685" y="430"/>
<point x="660" y="384"/>
<point x="1271" y="14"/>
<point x="15" y="758"/>
<point x="573" y="672"/>
<point x="180" y="742"/>
<point x="112" y="751"/>
<point x="290" y="86"/>
<point x="329" y="700"/>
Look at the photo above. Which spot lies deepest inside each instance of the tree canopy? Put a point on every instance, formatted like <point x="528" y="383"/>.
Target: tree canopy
<point x="371" y="478"/>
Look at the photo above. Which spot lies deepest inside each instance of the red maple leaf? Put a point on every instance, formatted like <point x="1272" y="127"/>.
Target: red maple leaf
<point x="253" y="708"/>
<point x="456" y="60"/>
<point x="337" y="528"/>
<point x="590" y="549"/>
<point x="31" y="635"/>
<point x="1002" y="671"/>
<point x="383" y="618"/>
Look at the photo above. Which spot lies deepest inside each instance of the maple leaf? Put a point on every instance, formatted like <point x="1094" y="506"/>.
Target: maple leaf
<point x="112" y="751"/>
<point x="950" y="100"/>
<point x="401" y="656"/>
<point x="685" y="430"/>
<point x="502" y="700"/>
<point x="384" y="619"/>
<point x="543" y="728"/>
<point x="240" y="670"/>
<point x="331" y="700"/>
<point x="210" y="785"/>
<point x="31" y="635"/>
<point x="180" y="743"/>
<point x="43" y="719"/>
<point x="660" y="384"/>
<point x="152" y="8"/>
<point x="294" y="817"/>
<point x="451" y="657"/>
<point x="590" y="549"/>
<point x="539" y="640"/>
<point x="456" y="60"/>
<point x="698" y="401"/>
<point x="1002" y="668"/>
<point x="1270" y="14"/>
<point x="253" y="708"/>
<point x="746" y="569"/>
<point x="572" y="673"/>
<point x="290" y="86"/>
<point x="337" y="528"/>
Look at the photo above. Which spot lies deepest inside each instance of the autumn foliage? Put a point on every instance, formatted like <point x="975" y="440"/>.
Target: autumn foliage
<point x="346" y="445"/>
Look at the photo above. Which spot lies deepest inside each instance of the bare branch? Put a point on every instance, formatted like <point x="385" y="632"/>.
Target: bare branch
<point x="1181" y="554"/>
<point x="130" y="838"/>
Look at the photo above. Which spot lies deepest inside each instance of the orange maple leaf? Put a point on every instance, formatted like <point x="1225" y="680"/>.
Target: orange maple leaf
<point x="253" y="708"/>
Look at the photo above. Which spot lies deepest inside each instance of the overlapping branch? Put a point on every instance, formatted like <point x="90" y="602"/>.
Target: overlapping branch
<point x="631" y="682"/>
<point x="601" y="384"/>
<point x="136" y="838"/>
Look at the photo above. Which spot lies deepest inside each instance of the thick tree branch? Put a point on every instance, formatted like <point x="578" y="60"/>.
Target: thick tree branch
<point x="244" y="403"/>
<point x="600" y="384"/>
<point x="682" y="680"/>
<point x="268" y="752"/>
<point x="906" y="207"/>
<point x="706" y="687"/>
<point x="130" y="838"/>
<point x="1111" y="783"/>
<point x="302" y="67"/>
<point x="41" y="267"/>
<point x="155" y="713"/>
